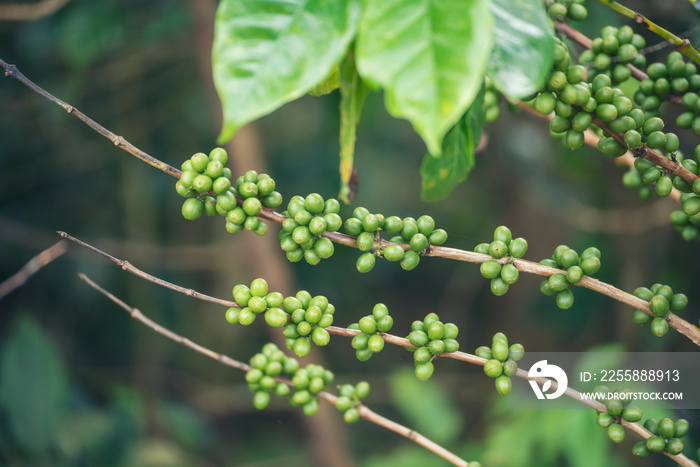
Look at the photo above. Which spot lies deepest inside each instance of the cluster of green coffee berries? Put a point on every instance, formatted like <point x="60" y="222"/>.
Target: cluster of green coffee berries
<point x="688" y="225"/>
<point x="673" y="78"/>
<point x="255" y="300"/>
<point x="667" y="436"/>
<point x="568" y="94"/>
<point x="661" y="300"/>
<point x="644" y="172"/>
<point x="612" y="51"/>
<point x="350" y="399"/>
<point x="419" y="234"/>
<point x="308" y="319"/>
<point x="432" y="337"/>
<point x="303" y="318"/>
<point x="503" y="245"/>
<point x="617" y="409"/>
<point x="501" y="361"/>
<point x="202" y="175"/>
<point x="272" y="364"/>
<point x="257" y="190"/>
<point x="559" y="10"/>
<point x="307" y="219"/>
<point x="370" y="341"/>
<point x="575" y="266"/>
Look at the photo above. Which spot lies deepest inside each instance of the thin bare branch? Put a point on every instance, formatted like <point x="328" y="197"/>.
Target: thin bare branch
<point x="365" y="412"/>
<point x="139" y="316"/>
<point x="128" y="267"/>
<point x="591" y="139"/>
<point x="687" y="329"/>
<point x="120" y="142"/>
<point x="32" y="267"/>
<point x="29" y="11"/>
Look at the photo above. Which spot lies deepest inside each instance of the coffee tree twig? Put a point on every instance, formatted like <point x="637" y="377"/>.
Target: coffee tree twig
<point x="32" y="267"/>
<point x="682" y="45"/>
<point x="365" y="412"/>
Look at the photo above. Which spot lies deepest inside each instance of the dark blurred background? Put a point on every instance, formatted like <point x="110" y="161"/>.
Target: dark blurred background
<point x="83" y="384"/>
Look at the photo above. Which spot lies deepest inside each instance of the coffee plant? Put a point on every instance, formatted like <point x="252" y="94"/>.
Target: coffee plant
<point x="453" y="69"/>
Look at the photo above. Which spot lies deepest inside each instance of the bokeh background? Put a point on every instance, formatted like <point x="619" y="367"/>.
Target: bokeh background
<point x="82" y="384"/>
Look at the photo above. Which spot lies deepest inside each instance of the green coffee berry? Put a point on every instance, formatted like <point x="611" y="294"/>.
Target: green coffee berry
<point x="192" y="209"/>
<point x="502" y="234"/>
<point x="365" y="262"/>
<point x="516" y="352"/>
<point x="482" y="248"/>
<point x="659" y="327"/>
<point x="674" y="446"/>
<point x="490" y="269"/>
<point x="509" y="273"/>
<point x="616" y="433"/>
<point x="641" y="318"/>
<point x="365" y="241"/>
<point x="655" y="444"/>
<point x="393" y="252"/>
<point x="418" y="338"/>
<point x="640" y="450"/>
<point x="436" y="347"/>
<point x="499" y="349"/>
<point x="659" y="305"/>
<point x="565" y="299"/>
<point x="437" y="237"/>
<point x="493" y="368"/>
<point x="302" y="347"/>
<point x="499" y="336"/>
<point x="422" y="355"/>
<point x="681" y="428"/>
<point x="666" y="428"/>
<point x="498" y="249"/>
<point x="419" y="242"/>
<point x="499" y="286"/>
<point x="604" y="419"/>
<point x="517" y="247"/>
<point x="503" y="385"/>
<point x="410" y="260"/>
<point x="632" y="413"/>
<point x="375" y="343"/>
<point x="557" y="282"/>
<point x="424" y="371"/>
<point x="590" y="265"/>
<point x="574" y="274"/>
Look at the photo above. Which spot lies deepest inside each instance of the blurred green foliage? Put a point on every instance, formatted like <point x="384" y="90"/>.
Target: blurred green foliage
<point x="82" y="384"/>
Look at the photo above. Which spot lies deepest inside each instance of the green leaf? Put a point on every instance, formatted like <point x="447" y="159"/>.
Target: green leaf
<point x="430" y="57"/>
<point x="426" y="405"/>
<point x="439" y="176"/>
<point x="328" y="85"/>
<point x="353" y="92"/>
<point x="33" y="386"/>
<point x="267" y="53"/>
<point x="524" y="47"/>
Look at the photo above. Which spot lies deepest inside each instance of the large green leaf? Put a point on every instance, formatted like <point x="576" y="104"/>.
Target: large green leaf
<point x="440" y="175"/>
<point x="523" y="49"/>
<point x="269" y="52"/>
<point x="353" y="93"/>
<point x="33" y="386"/>
<point x="430" y="57"/>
